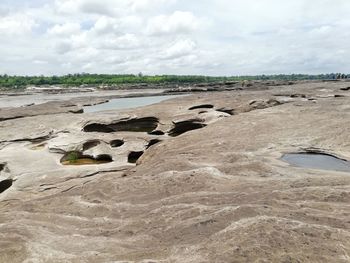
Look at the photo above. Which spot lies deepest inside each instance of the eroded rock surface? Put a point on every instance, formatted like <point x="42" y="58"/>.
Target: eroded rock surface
<point x="216" y="194"/>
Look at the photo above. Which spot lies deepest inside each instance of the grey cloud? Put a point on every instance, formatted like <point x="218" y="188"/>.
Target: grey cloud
<point x="94" y="7"/>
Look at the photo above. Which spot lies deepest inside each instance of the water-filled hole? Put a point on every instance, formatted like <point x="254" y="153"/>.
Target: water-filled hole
<point x="77" y="158"/>
<point x="315" y="160"/>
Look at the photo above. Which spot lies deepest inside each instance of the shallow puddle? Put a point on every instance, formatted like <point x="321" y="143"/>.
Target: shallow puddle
<point x="317" y="161"/>
<point x="77" y="158"/>
<point x="84" y="161"/>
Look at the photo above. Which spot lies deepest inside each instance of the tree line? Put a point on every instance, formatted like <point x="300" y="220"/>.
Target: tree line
<point x="76" y="80"/>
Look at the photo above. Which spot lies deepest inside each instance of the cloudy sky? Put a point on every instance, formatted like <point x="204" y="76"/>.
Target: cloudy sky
<point x="221" y="37"/>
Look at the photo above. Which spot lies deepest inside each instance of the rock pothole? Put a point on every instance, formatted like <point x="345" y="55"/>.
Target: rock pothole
<point x="5" y="184"/>
<point x="152" y="142"/>
<point x="134" y="156"/>
<point x="226" y="110"/>
<point x="203" y="106"/>
<point x="90" y="144"/>
<point x="147" y="124"/>
<point x="262" y="104"/>
<point x="317" y="160"/>
<point x="185" y="126"/>
<point x="116" y="143"/>
<point x="98" y="127"/>
<point x="156" y="132"/>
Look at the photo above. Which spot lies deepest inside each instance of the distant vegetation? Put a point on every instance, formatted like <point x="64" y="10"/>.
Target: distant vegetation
<point x="103" y="79"/>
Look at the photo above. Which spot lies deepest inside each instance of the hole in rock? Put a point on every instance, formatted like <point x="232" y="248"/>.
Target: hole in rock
<point x="116" y="143"/>
<point x="77" y="158"/>
<point x="202" y="112"/>
<point x="298" y="96"/>
<point x="315" y="160"/>
<point x="134" y="156"/>
<point x="90" y="144"/>
<point x="226" y="110"/>
<point x="5" y="184"/>
<point x="97" y="127"/>
<point x="2" y="166"/>
<point x="185" y="126"/>
<point x="152" y="142"/>
<point x="156" y="132"/>
<point x="68" y="105"/>
<point x="78" y="111"/>
<point x="104" y="158"/>
<point x="203" y="106"/>
<point x="147" y="124"/>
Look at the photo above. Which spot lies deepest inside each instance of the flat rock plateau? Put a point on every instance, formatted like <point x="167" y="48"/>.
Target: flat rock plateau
<point x="197" y="178"/>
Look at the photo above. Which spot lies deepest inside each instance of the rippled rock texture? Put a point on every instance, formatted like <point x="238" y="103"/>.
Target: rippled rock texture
<point x="193" y="179"/>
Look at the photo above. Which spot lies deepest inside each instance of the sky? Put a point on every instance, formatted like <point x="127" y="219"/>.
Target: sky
<point x="185" y="37"/>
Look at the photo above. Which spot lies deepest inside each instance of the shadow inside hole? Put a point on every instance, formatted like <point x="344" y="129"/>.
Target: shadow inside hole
<point x="203" y="106"/>
<point x="134" y="156"/>
<point x="156" y="132"/>
<point x="147" y="124"/>
<point x="226" y="110"/>
<point x="185" y="126"/>
<point x="116" y="143"/>
<point x="152" y="142"/>
<point x="5" y="184"/>
<point x="90" y="144"/>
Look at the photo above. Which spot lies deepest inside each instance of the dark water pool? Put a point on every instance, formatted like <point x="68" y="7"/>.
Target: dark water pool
<point x="317" y="161"/>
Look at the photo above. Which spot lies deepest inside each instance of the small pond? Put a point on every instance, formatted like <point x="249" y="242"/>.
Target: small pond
<point x="317" y="161"/>
<point x="127" y="103"/>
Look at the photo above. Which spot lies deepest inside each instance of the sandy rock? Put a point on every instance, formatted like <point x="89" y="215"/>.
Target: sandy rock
<point x="217" y="193"/>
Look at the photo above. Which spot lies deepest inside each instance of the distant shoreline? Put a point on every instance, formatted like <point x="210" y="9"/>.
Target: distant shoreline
<point x="105" y="81"/>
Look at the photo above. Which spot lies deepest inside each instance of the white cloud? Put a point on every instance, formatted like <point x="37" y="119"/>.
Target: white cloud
<point x="127" y="41"/>
<point x="16" y="24"/>
<point x="179" y="49"/>
<point x="178" y="22"/>
<point x="206" y="37"/>
<point x="65" y="29"/>
<point x="150" y="5"/>
<point x="41" y="62"/>
<point x="66" y="6"/>
<point x="105" y="25"/>
<point x="87" y="67"/>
